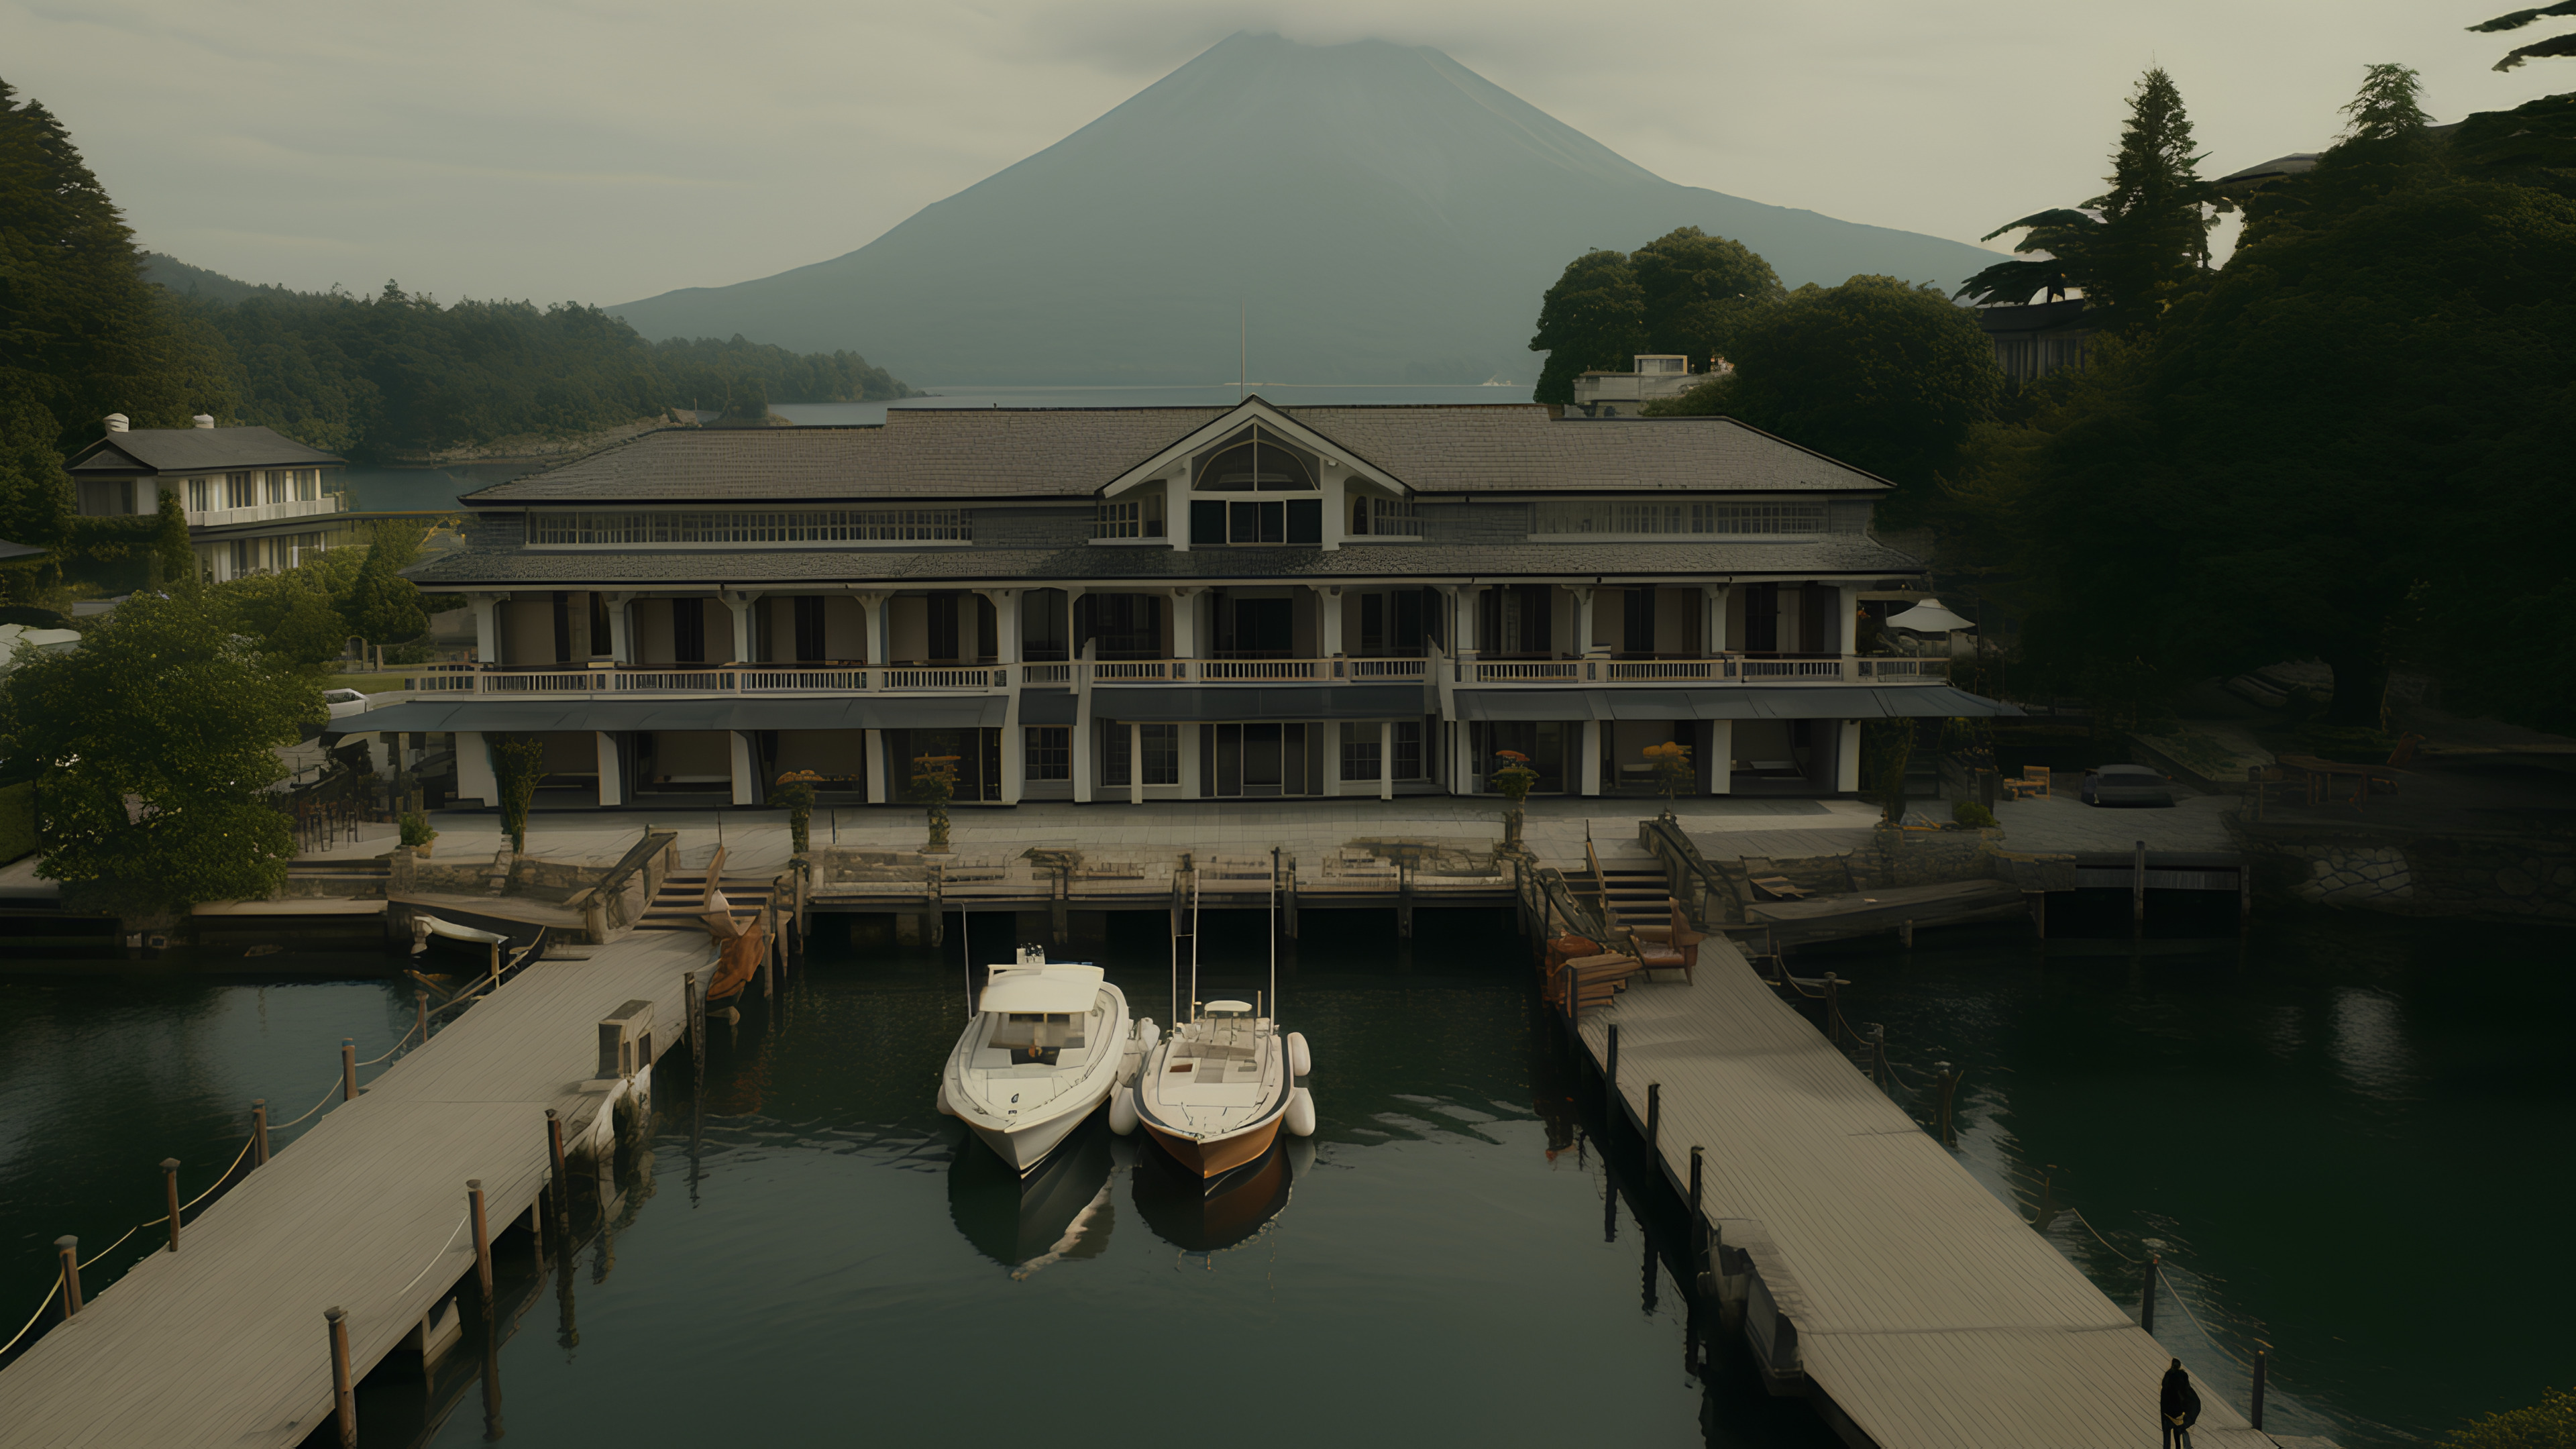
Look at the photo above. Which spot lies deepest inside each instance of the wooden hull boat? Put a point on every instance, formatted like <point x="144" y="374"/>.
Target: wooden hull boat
<point x="1047" y="1046"/>
<point x="1215" y="1093"/>
<point x="1201" y="1215"/>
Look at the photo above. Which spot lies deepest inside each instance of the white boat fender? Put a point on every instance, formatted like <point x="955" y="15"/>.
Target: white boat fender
<point x="1147" y="1034"/>
<point x="1122" y="1111"/>
<point x="1300" y="1060"/>
<point x="944" y="1109"/>
<point x="1301" y="1113"/>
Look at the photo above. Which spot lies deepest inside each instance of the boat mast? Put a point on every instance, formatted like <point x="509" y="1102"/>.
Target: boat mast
<point x="1274" y="933"/>
<point x="966" y="948"/>
<point x="1194" y="945"/>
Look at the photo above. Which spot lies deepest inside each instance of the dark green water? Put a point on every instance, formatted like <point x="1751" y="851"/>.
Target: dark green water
<point x="807" y="1250"/>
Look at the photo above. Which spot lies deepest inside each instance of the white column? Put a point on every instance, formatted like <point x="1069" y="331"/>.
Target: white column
<point x="741" y="605"/>
<point x="872" y="627"/>
<point x="1583" y="595"/>
<point x="1590" y="774"/>
<point x="612" y="783"/>
<point x="621" y="629"/>
<point x="1386" y="759"/>
<point x="1176" y="510"/>
<point x="1712" y="618"/>
<point x="1337" y="507"/>
<point x="1015" y="751"/>
<point x="474" y="769"/>
<point x="1185" y="621"/>
<point x="874" y="748"/>
<point x="1081" y="736"/>
<point x="1328" y="620"/>
<point x="1847" y="759"/>
<point x="746" y="770"/>
<point x="1006" y="625"/>
<point x="1721" y="757"/>
<point x="487" y="630"/>
<point x="1463" y="776"/>
<point x="1135" y="763"/>
<point x="1851" y="620"/>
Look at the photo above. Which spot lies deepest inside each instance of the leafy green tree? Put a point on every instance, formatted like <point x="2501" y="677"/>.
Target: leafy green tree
<point x="1593" y="318"/>
<point x="293" y="616"/>
<point x="35" y="492"/>
<point x="1880" y="374"/>
<point x="155" y="742"/>
<point x="1701" y="291"/>
<point x="380" y="605"/>
<point x="2386" y="144"/>
<point x="2549" y="1424"/>
<point x="2134" y="248"/>
<point x="2556" y="45"/>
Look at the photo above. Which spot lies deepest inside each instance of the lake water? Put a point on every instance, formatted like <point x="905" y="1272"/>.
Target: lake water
<point x="808" y="1250"/>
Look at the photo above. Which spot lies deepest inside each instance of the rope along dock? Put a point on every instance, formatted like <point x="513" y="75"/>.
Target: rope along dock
<point x="1870" y="1272"/>
<point x="223" y="1341"/>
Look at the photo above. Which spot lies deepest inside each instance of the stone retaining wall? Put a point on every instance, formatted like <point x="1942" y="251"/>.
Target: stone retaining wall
<point x="2486" y="877"/>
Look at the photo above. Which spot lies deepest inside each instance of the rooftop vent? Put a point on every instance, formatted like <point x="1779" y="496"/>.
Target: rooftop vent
<point x="116" y="422"/>
<point x="203" y="420"/>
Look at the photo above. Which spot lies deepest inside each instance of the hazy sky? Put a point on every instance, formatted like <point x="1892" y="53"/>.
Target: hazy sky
<point x="604" y="150"/>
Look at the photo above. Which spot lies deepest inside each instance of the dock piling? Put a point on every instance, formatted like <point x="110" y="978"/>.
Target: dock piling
<point x="2147" y="1298"/>
<point x="344" y="1400"/>
<point x="1696" y="1152"/>
<point x="2138" y="888"/>
<point x="259" y="1132"/>
<point x="561" y="1183"/>
<point x="1905" y="934"/>
<point x="1949" y="1086"/>
<point x="2255" y="1416"/>
<point x="1404" y="901"/>
<point x="482" y="1237"/>
<point x="1610" y="1073"/>
<point x="170" y="1189"/>
<point x="2038" y="913"/>
<point x="69" y="1248"/>
<point x="1654" y="1117"/>
<point x="348" y="1069"/>
<point x="420" y="1001"/>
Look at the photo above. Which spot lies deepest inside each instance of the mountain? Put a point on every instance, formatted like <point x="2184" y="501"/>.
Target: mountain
<point x="168" y="271"/>
<point x="1380" y="213"/>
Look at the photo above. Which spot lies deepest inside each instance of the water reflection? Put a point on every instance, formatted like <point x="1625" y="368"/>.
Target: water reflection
<point x="1210" y="1216"/>
<point x="1058" y="1212"/>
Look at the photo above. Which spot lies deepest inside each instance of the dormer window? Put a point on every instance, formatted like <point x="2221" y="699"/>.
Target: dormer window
<point x="1254" y="460"/>
<point x="1137" y="516"/>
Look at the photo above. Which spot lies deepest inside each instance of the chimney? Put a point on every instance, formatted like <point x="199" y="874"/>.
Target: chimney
<point x="203" y="420"/>
<point x="116" y="422"/>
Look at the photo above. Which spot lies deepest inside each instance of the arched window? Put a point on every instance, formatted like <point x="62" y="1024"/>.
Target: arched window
<point x="1255" y="461"/>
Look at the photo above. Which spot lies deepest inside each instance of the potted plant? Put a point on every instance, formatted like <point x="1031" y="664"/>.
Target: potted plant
<point x="1673" y="772"/>
<point x="1514" y="779"/>
<point x="795" y="792"/>
<point x="416" y="832"/>
<point x="518" y="763"/>
<point x="934" y="783"/>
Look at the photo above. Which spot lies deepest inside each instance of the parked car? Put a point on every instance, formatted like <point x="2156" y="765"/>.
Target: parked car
<point x="2126" y="785"/>
<point x="344" y="702"/>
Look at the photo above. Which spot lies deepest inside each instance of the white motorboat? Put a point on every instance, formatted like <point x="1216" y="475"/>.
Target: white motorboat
<point x="1048" y="1044"/>
<point x="1215" y="1093"/>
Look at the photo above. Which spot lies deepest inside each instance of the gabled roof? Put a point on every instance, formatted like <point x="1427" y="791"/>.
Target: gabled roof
<point x="195" y="450"/>
<point x="921" y="454"/>
<point x="1229" y="423"/>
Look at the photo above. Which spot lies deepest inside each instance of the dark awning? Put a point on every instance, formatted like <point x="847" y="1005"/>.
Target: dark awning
<point x="846" y="712"/>
<point x="1527" y="704"/>
<point x="1046" y="707"/>
<point x="1261" y="702"/>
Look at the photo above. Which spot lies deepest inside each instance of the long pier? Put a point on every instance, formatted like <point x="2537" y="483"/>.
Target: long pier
<point x="1866" y="1269"/>
<point x="224" y="1341"/>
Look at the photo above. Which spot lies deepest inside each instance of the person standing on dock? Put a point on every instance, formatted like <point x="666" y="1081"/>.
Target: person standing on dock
<point x="2178" y="1407"/>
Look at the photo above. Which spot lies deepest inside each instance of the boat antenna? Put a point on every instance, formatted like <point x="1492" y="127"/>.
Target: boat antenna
<point x="1194" y="945"/>
<point x="966" y="948"/>
<point x="1274" y="933"/>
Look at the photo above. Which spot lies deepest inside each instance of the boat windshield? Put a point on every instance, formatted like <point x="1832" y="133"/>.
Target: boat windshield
<point x="1037" y="1037"/>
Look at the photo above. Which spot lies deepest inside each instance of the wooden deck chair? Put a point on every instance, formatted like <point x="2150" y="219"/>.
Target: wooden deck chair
<point x="1667" y="947"/>
<point x="2034" y="781"/>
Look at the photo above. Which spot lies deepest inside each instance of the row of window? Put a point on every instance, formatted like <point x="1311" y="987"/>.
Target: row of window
<point x="246" y="490"/>
<point x="1049" y="751"/>
<point x="832" y="525"/>
<point x="1636" y="516"/>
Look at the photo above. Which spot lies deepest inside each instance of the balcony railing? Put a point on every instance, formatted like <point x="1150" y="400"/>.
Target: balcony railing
<point x="509" y="679"/>
<point x="264" y="512"/>
<point x="1729" y="668"/>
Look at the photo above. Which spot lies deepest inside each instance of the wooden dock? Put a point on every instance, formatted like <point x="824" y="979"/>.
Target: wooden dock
<point x="1869" y="1271"/>
<point x="224" y="1341"/>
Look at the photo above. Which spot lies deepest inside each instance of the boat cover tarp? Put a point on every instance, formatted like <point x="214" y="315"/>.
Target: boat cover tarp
<point x="1041" y="988"/>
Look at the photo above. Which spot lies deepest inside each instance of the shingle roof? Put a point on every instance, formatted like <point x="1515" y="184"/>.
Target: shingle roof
<point x="676" y="568"/>
<point x="926" y="453"/>
<point x="195" y="450"/>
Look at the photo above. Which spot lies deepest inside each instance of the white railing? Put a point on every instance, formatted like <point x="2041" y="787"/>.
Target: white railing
<point x="1046" y="674"/>
<point x="491" y="679"/>
<point x="941" y="678"/>
<point x="265" y="512"/>
<point x="1718" y="670"/>
<point x="803" y="680"/>
<point x="1795" y="668"/>
<point x="1524" y="671"/>
<point x="1138" y="671"/>
<point x="1902" y="668"/>
<point x="665" y="681"/>
<point x="1257" y="671"/>
<point x="1676" y="671"/>
<point x="1381" y="668"/>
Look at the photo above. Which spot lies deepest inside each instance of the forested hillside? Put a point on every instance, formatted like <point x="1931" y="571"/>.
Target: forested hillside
<point x="90" y="325"/>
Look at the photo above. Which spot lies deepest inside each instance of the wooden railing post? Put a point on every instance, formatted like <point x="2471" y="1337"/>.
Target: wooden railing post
<point x="2147" y="1300"/>
<point x="2260" y="1375"/>
<point x="259" y="1132"/>
<point x="170" y="1190"/>
<point x="69" y="1249"/>
<point x="348" y="1069"/>
<point x="344" y="1401"/>
<point x="482" y="1237"/>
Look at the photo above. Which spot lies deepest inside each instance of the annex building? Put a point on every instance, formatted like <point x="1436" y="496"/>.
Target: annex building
<point x="1129" y="604"/>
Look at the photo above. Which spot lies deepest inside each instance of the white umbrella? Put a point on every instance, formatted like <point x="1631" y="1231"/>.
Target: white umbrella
<point x="1928" y="617"/>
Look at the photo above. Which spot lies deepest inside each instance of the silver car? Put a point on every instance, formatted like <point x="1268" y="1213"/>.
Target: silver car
<point x="2126" y="785"/>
